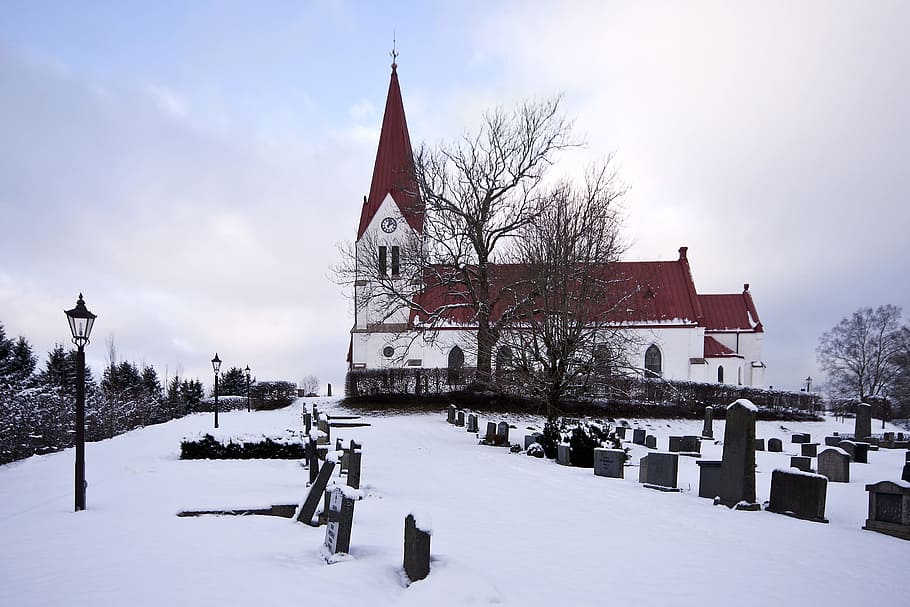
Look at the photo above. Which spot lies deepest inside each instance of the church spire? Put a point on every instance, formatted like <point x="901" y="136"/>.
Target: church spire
<point x="393" y="170"/>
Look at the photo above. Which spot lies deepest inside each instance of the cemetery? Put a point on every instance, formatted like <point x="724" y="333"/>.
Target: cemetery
<point x="352" y="513"/>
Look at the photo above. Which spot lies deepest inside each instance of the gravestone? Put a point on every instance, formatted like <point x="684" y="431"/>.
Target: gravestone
<point x="809" y="449"/>
<point x="863" y="421"/>
<point x="563" y="455"/>
<point x="502" y="434"/>
<point x="801" y="463"/>
<point x="328" y="391"/>
<point x="889" y="509"/>
<point x="737" y="473"/>
<point x="832" y="441"/>
<point x="307" y="422"/>
<point x="450" y="414"/>
<point x="651" y="441"/>
<point x="490" y="437"/>
<point x="800" y="437"/>
<point x="621" y="432"/>
<point x="675" y="444"/>
<point x="659" y="471"/>
<point x="709" y="479"/>
<point x="775" y="445"/>
<point x="472" y="423"/>
<point x="532" y="438"/>
<point x="900" y="436"/>
<point x="690" y="445"/>
<point x="323" y="426"/>
<point x="708" y="430"/>
<point x="312" y="459"/>
<point x="308" y="508"/>
<point x="834" y="463"/>
<point x="799" y="494"/>
<point x="759" y="444"/>
<point x="905" y="475"/>
<point x="340" y="521"/>
<point x="356" y="461"/>
<point x="861" y="452"/>
<point x="638" y="436"/>
<point x="609" y="462"/>
<point x="416" y="550"/>
<point x="459" y="419"/>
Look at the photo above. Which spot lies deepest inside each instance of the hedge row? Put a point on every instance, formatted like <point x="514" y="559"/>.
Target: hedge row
<point x="208" y="447"/>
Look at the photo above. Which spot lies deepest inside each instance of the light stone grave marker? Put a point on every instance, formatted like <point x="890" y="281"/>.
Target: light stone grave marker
<point x="609" y="462"/>
<point x="340" y="521"/>
<point x="834" y="463"/>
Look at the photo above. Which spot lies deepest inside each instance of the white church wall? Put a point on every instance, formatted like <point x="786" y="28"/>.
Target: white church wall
<point x="677" y="346"/>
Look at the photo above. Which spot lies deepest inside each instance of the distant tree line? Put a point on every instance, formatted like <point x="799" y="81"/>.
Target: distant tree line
<point x="37" y="404"/>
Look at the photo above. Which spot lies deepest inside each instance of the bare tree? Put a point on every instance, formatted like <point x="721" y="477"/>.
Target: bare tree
<point x="310" y="385"/>
<point x="861" y="353"/>
<point x="569" y="291"/>
<point x="479" y="193"/>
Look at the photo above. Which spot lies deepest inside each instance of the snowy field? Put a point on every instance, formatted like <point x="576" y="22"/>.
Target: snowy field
<point x="507" y="528"/>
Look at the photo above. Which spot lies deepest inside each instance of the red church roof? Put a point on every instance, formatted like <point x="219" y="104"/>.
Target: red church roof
<point x="393" y="169"/>
<point x="645" y="292"/>
<point x="734" y="312"/>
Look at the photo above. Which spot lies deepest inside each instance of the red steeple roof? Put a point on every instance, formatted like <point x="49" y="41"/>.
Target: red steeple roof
<point x="393" y="169"/>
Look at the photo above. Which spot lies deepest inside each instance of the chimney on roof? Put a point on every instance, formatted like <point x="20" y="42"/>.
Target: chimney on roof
<point x="682" y="253"/>
<point x="745" y="287"/>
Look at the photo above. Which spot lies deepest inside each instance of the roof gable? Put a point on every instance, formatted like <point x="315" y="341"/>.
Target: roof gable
<point x="730" y="312"/>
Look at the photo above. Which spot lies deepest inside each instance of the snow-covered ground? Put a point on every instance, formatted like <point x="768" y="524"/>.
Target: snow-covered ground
<point x="507" y="528"/>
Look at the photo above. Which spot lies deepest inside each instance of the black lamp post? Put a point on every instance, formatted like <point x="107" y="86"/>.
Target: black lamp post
<point x="81" y="321"/>
<point x="216" y="365"/>
<point x="247" y="371"/>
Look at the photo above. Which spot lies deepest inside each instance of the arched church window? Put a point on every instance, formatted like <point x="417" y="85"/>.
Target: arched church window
<point x="720" y="374"/>
<point x="653" y="362"/>
<point x="456" y="362"/>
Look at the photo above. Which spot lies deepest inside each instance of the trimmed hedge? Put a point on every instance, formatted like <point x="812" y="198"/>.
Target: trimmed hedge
<point x="208" y="447"/>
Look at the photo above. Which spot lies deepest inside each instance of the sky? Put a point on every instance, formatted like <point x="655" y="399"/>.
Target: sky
<point x="192" y="168"/>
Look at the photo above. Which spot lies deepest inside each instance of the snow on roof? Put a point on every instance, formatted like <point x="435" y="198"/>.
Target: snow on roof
<point x="745" y="403"/>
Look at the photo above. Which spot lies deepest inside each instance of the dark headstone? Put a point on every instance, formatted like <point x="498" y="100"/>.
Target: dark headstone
<point x="834" y="463"/>
<point x="638" y="436"/>
<point x="356" y="458"/>
<point x="490" y="436"/>
<point x="609" y="462"/>
<point x="472" y="423"/>
<point x="502" y="433"/>
<point x="651" y="441"/>
<point x="563" y="455"/>
<point x="708" y="479"/>
<point x="832" y="441"/>
<point x="328" y="391"/>
<point x="708" y="430"/>
<point x="863" y="421"/>
<point x="323" y="426"/>
<point x="737" y="474"/>
<point x="889" y="509"/>
<point x="532" y="438"/>
<point x="759" y="444"/>
<point x="809" y="449"/>
<point x="307" y="422"/>
<point x="800" y="437"/>
<point x="416" y="550"/>
<point x="308" y="508"/>
<point x="675" y="444"/>
<point x="905" y="475"/>
<point x="799" y="494"/>
<point x="690" y="445"/>
<point x="850" y="447"/>
<point x="340" y="522"/>
<point x="313" y="460"/>
<point x="459" y="419"/>
<point x="660" y="471"/>
<point x="861" y="453"/>
<point x="775" y="445"/>
<point x="450" y="414"/>
<point x="621" y="432"/>
<point x="801" y="463"/>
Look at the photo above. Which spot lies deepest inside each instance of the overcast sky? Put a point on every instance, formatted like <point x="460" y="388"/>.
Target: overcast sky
<point x="191" y="166"/>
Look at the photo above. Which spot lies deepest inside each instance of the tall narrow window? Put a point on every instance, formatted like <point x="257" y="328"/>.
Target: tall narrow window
<point x="395" y="260"/>
<point x="720" y="375"/>
<point x="382" y="261"/>
<point x="653" y="362"/>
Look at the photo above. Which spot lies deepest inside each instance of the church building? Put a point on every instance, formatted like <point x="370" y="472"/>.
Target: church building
<point x="680" y="334"/>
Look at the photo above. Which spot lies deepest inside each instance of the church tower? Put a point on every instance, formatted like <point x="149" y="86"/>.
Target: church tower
<point x="391" y="226"/>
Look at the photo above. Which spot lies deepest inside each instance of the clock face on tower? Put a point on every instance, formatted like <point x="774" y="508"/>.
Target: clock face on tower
<point x="389" y="224"/>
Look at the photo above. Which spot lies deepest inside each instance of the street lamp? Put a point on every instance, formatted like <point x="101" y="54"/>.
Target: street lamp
<point x="216" y="365"/>
<point x="81" y="321"/>
<point x="247" y="371"/>
<point x="808" y="383"/>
